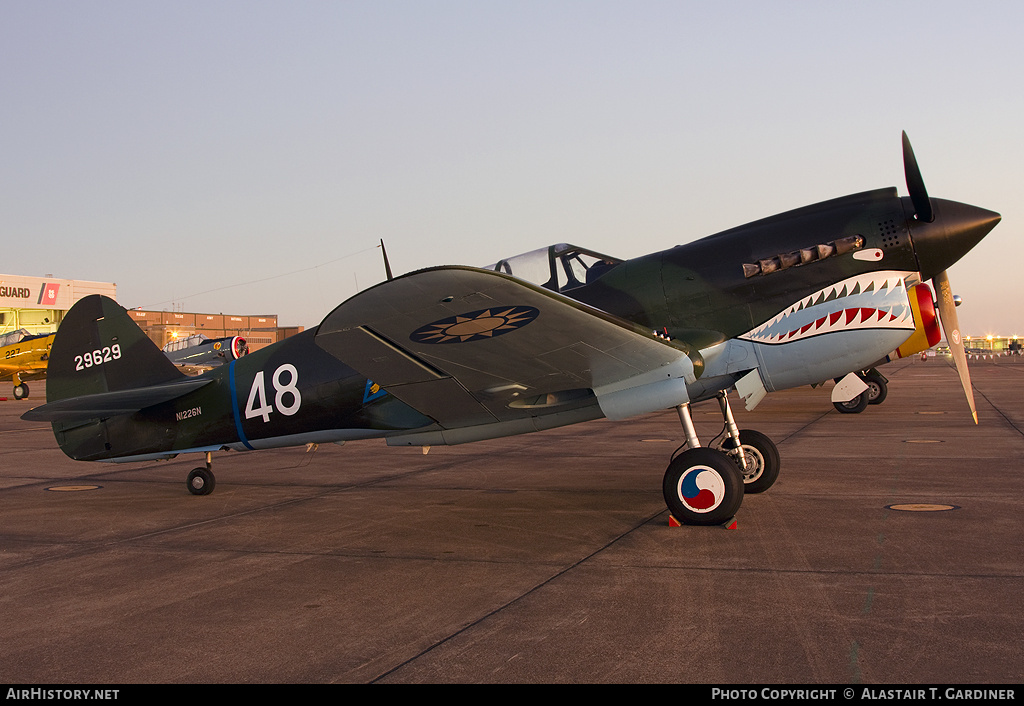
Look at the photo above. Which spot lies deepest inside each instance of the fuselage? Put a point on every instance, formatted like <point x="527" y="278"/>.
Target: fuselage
<point x="26" y="358"/>
<point x="701" y="292"/>
<point x="804" y="296"/>
<point x="286" y="394"/>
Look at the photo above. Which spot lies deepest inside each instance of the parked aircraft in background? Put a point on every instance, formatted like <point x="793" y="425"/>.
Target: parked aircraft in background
<point x="197" y="354"/>
<point x="24" y="356"/>
<point x="455" y="354"/>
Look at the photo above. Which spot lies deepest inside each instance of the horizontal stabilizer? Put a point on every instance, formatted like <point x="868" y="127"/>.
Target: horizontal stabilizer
<point x="108" y="404"/>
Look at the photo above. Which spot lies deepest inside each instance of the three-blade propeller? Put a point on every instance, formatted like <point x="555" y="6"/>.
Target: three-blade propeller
<point x="947" y="307"/>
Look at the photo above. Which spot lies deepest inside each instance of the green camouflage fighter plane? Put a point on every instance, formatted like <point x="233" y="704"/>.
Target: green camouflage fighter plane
<point x="449" y="355"/>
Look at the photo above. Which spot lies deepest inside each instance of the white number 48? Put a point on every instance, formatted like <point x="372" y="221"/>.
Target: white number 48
<point x="287" y="398"/>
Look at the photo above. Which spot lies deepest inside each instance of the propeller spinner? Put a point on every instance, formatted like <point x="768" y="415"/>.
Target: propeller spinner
<point x="943" y="232"/>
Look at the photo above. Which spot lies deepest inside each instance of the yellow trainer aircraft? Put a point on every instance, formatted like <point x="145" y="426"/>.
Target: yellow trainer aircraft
<point x="24" y="356"/>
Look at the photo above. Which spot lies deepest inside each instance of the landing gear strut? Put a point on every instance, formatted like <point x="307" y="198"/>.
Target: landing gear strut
<point x="201" y="481"/>
<point x="705" y="486"/>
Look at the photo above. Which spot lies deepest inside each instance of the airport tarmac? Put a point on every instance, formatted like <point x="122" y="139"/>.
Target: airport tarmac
<point x="540" y="558"/>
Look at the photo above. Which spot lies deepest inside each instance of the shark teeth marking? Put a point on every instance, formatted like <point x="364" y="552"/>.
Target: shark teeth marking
<point x="869" y="301"/>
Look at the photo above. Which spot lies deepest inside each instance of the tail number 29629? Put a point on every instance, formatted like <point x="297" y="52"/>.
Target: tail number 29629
<point x="97" y="357"/>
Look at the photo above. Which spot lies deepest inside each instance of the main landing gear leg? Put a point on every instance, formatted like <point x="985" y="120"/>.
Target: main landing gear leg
<point x="687" y="421"/>
<point x="201" y="480"/>
<point x="702" y="486"/>
<point x="732" y="444"/>
<point x="754" y="453"/>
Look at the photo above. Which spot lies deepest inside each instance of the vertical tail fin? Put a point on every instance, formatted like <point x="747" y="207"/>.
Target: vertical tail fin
<point x="98" y="349"/>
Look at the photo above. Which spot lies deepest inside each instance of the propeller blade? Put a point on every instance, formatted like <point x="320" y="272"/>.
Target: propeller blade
<point x="915" y="183"/>
<point x="950" y="324"/>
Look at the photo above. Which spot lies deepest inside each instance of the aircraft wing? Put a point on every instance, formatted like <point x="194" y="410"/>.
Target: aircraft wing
<point x="471" y="347"/>
<point x="193" y="370"/>
<point x="26" y="370"/>
<point x="33" y="372"/>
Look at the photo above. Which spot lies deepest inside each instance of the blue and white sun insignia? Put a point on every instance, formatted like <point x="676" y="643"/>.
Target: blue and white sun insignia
<point x="476" y="325"/>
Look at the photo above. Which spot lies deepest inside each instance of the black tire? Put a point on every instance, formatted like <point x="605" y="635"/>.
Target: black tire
<point x="763" y="462"/>
<point x="201" y="481"/>
<point x="877" y="388"/>
<point x="21" y="392"/>
<point x="855" y="406"/>
<point x="703" y="487"/>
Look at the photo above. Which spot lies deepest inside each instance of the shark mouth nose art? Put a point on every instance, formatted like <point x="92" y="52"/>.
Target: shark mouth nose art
<point x="869" y="301"/>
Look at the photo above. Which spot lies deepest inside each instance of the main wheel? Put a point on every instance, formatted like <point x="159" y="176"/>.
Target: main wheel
<point x="703" y="487"/>
<point x="20" y="391"/>
<point x="201" y="481"/>
<point x="855" y="406"/>
<point x="762" y="461"/>
<point x="877" y="388"/>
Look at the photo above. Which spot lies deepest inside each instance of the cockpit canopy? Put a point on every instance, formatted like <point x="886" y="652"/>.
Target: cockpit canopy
<point x="183" y="343"/>
<point x="558" y="267"/>
<point x="13" y="337"/>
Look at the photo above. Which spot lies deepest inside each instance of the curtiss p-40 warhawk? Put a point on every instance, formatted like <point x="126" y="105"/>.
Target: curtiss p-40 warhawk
<point x="449" y="355"/>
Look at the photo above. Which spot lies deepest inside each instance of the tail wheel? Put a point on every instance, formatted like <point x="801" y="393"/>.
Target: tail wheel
<point x="201" y="481"/>
<point x="703" y="487"/>
<point x="855" y="406"/>
<point x="20" y="391"/>
<point x="761" y="462"/>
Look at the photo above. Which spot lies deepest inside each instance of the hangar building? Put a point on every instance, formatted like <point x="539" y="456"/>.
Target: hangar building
<point x="38" y="304"/>
<point x="166" y="326"/>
